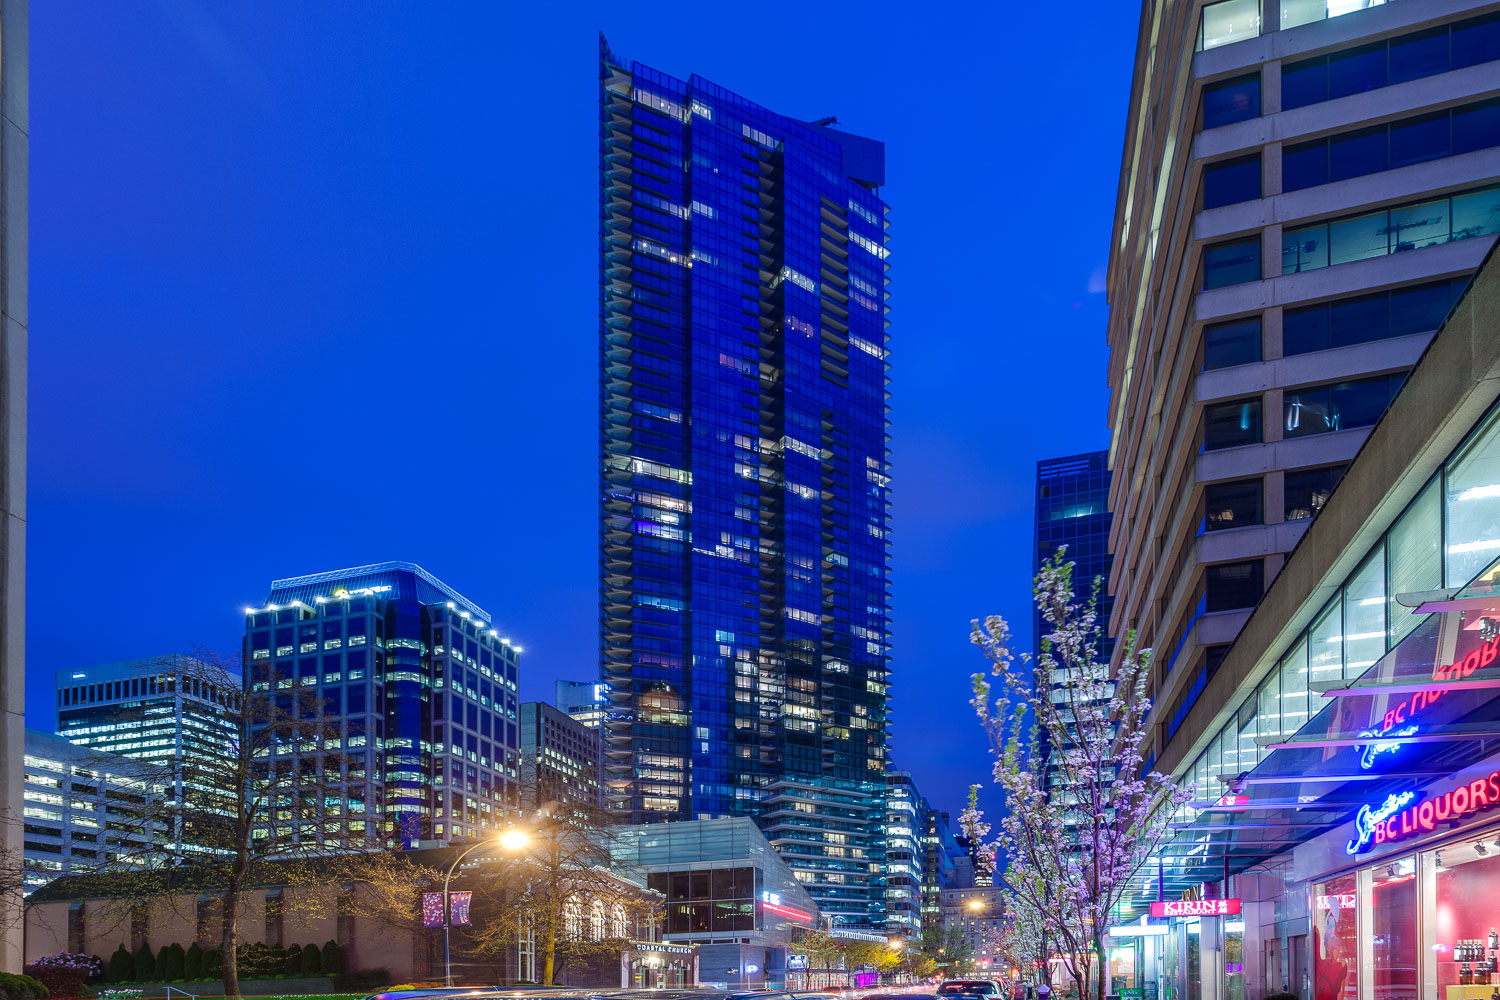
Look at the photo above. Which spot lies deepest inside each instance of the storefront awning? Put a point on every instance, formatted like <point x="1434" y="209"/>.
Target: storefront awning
<point x="1424" y="710"/>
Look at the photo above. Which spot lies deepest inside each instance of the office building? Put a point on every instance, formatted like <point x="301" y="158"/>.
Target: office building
<point x="945" y="865"/>
<point x="727" y="892"/>
<point x="1312" y="189"/>
<point x="905" y="813"/>
<point x="1072" y="497"/>
<point x="1072" y="509"/>
<point x="744" y="608"/>
<point x="582" y="700"/>
<point x="423" y="686"/>
<point x="978" y="912"/>
<point x="86" y="811"/>
<point x="1307" y="189"/>
<point x="559" y="758"/>
<point x="15" y="129"/>
<point x="148" y="709"/>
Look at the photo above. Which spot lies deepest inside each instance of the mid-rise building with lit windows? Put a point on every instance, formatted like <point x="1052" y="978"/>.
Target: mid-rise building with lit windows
<point x="154" y="709"/>
<point x="744" y="470"/>
<point x="581" y="700"/>
<point x="423" y="685"/>
<point x="147" y="708"/>
<point x="1307" y="186"/>
<point x="905" y="812"/>
<point x="86" y="811"/>
<point x="559" y="757"/>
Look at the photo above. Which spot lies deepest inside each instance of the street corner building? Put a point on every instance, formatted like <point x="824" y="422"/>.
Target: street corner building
<point x="1305" y="488"/>
<point x="744" y="474"/>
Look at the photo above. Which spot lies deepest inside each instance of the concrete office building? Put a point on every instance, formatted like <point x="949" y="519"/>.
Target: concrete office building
<point x="1305" y="189"/>
<point x="86" y="811"/>
<point x="559" y="758"/>
<point x="15" y="127"/>
<point x="979" y="913"/>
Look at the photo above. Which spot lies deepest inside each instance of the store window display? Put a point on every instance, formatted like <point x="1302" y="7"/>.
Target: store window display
<point x="1466" y="897"/>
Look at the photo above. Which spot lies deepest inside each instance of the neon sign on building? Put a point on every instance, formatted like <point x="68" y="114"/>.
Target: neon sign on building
<point x="1399" y="818"/>
<point x="1195" y="907"/>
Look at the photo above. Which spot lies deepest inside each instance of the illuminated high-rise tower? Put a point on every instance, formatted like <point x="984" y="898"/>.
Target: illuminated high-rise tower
<point x="744" y="473"/>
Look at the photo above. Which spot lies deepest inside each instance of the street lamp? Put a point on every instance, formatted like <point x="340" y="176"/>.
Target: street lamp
<point x="511" y="840"/>
<point x="975" y="905"/>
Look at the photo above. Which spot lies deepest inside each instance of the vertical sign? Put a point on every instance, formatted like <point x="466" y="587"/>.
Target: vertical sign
<point x="458" y="908"/>
<point x="432" y="909"/>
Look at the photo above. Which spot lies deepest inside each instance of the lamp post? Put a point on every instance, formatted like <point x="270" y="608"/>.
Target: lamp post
<point x="510" y="840"/>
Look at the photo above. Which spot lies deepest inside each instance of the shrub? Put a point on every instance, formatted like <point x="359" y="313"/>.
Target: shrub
<point x="176" y="960"/>
<point x="312" y="960"/>
<point x="213" y="963"/>
<point x="60" y="980"/>
<point x="122" y="966"/>
<point x="145" y="963"/>
<point x="293" y="966"/>
<point x="192" y="962"/>
<point x="14" y="987"/>
<point x="333" y="958"/>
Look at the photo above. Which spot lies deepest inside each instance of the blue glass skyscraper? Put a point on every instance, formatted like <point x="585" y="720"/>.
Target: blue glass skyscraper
<point x="1072" y="509"/>
<point x="744" y="467"/>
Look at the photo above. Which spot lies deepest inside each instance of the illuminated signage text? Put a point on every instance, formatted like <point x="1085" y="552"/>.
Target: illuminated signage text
<point x="1398" y="818"/>
<point x="1195" y="907"/>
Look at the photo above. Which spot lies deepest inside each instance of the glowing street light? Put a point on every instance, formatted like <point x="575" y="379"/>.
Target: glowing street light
<point x="512" y="839"/>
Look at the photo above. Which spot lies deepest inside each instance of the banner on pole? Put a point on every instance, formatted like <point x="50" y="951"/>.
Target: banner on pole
<point x="458" y="909"/>
<point x="432" y="909"/>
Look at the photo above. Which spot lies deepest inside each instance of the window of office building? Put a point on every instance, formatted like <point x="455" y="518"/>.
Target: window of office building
<point x="1304" y="493"/>
<point x="1363" y="318"/>
<point x="1375" y="234"/>
<point x="1231" y="586"/>
<point x="1226" y="425"/>
<point x="1232" y="505"/>
<point x="1234" y="343"/>
<point x="1231" y="101"/>
<point x="1229" y="21"/>
<point x="1231" y="181"/>
<point x="1299" y="12"/>
<point x="1337" y="407"/>
<point x="1231" y="263"/>
<point x="1386" y="147"/>
<point x="1364" y="615"/>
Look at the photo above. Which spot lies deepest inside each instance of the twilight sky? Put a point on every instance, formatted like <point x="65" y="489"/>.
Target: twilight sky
<point x="314" y="285"/>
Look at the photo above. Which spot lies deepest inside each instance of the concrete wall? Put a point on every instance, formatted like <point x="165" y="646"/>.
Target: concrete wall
<point x="309" y="916"/>
<point x="14" y="153"/>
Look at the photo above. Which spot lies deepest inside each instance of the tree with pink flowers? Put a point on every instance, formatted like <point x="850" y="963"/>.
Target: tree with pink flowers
<point x="1072" y="841"/>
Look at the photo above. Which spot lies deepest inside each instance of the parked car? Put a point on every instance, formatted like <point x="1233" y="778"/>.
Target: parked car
<point x="970" y="988"/>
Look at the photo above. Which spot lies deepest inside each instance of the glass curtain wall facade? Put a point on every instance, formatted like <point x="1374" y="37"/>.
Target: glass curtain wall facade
<point x="424" y="688"/>
<point x="744" y="468"/>
<point x="153" y="709"/>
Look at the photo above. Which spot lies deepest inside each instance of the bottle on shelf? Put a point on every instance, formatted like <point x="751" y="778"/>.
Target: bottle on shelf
<point x="1465" y="977"/>
<point x="1494" y="939"/>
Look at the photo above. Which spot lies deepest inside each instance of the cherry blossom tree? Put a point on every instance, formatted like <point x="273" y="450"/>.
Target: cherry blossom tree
<point x="1082" y="813"/>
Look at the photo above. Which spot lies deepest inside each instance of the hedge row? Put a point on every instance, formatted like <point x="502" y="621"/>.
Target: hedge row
<point x="172" y="962"/>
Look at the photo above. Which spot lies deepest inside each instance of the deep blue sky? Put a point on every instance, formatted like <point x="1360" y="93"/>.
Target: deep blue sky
<point x="313" y="285"/>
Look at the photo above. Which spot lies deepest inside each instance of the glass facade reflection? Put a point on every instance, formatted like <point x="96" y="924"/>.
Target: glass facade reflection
<point x="422" y="683"/>
<point x="743" y="474"/>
